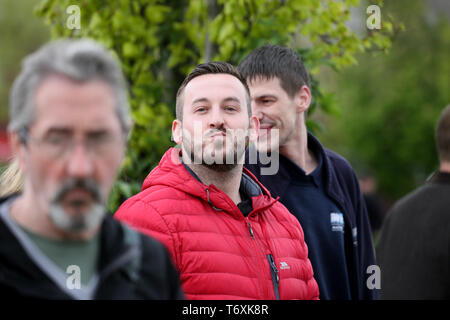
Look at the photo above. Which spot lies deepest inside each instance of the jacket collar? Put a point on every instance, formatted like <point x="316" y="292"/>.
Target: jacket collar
<point x="248" y="186"/>
<point x="440" y="177"/>
<point x="331" y="182"/>
<point x="280" y="181"/>
<point x="172" y="173"/>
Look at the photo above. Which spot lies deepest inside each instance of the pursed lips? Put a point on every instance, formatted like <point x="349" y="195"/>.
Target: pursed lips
<point x="217" y="133"/>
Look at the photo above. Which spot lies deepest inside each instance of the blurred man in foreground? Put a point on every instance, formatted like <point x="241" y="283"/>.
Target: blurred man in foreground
<point x="69" y="123"/>
<point x="414" y="247"/>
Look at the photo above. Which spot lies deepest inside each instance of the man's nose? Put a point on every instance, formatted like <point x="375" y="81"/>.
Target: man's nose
<point x="216" y="119"/>
<point x="80" y="162"/>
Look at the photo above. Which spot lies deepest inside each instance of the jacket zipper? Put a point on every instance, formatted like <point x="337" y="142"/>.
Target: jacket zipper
<point x="273" y="268"/>
<point x="274" y="274"/>
<point x="261" y="268"/>
<point x="250" y="229"/>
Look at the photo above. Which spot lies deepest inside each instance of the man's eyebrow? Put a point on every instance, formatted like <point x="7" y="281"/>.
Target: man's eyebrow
<point x="59" y="130"/>
<point x="200" y="100"/>
<point x="227" y="99"/>
<point x="231" y="99"/>
<point x="97" y="131"/>
<point x="62" y="130"/>
<point x="265" y="96"/>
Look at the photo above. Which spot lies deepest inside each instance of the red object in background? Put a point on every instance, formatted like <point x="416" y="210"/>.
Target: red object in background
<point x="5" y="148"/>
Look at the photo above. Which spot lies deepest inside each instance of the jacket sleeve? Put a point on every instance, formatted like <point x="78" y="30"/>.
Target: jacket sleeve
<point x="360" y="234"/>
<point x="145" y="218"/>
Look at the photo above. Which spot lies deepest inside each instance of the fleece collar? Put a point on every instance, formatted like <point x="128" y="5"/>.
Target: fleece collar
<point x="440" y="177"/>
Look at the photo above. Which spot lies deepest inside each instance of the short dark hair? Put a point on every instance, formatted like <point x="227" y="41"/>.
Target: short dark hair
<point x="443" y="135"/>
<point x="215" y="67"/>
<point x="270" y="61"/>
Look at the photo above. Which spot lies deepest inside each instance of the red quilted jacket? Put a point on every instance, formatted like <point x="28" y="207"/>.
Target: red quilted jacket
<point x="220" y="253"/>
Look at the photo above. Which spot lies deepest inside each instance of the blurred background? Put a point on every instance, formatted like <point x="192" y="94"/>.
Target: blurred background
<point x="377" y="91"/>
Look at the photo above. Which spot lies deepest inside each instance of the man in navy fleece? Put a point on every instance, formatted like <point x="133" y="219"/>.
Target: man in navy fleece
<point x="317" y="185"/>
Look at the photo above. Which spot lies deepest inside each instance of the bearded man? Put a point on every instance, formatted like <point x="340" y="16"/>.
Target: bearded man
<point x="68" y="128"/>
<point x="228" y="237"/>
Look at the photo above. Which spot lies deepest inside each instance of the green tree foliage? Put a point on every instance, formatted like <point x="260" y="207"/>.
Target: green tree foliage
<point x="158" y="42"/>
<point x="391" y="102"/>
<point x="20" y="33"/>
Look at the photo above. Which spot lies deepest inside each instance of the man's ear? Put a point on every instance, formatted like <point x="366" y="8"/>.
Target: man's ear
<point x="254" y="129"/>
<point x="177" y="134"/>
<point x="303" y="99"/>
<point x="18" y="149"/>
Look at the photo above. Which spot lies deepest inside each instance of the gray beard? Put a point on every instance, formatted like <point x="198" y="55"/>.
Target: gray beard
<point x="77" y="223"/>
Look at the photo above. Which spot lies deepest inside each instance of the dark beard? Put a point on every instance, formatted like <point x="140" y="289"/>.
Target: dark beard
<point x="222" y="167"/>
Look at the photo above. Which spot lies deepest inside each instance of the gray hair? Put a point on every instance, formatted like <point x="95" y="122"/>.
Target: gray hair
<point x="80" y="60"/>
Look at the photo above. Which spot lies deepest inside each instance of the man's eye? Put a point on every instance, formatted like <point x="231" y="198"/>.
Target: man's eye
<point x="200" y="109"/>
<point x="100" y="137"/>
<point x="56" y="139"/>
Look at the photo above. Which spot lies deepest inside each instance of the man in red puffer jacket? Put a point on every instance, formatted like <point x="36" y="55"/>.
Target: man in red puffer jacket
<point x="227" y="236"/>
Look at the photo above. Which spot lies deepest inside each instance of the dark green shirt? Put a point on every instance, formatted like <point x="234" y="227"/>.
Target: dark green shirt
<point x="65" y="253"/>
